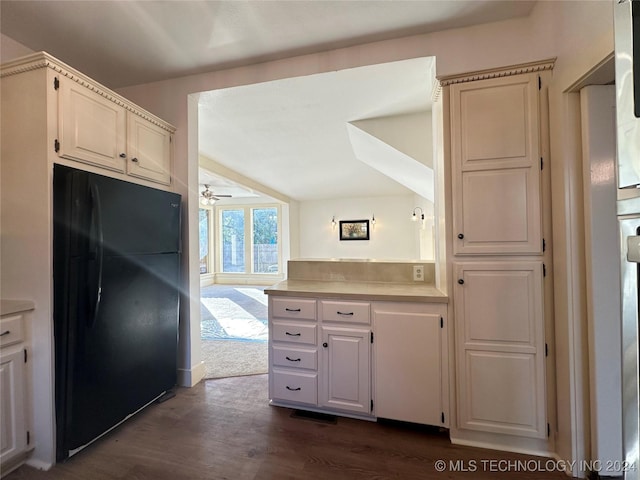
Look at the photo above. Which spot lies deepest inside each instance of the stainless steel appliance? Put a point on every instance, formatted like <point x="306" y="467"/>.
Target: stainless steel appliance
<point x="627" y="45"/>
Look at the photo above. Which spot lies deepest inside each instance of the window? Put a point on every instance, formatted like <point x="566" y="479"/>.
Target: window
<point x="205" y="240"/>
<point x="249" y="240"/>
<point x="233" y="241"/>
<point x="265" y="240"/>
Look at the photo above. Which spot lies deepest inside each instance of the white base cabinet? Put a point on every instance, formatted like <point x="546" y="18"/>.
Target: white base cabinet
<point x="411" y="364"/>
<point x="346" y="379"/>
<point x="293" y="350"/>
<point x="14" y="424"/>
<point x="360" y="358"/>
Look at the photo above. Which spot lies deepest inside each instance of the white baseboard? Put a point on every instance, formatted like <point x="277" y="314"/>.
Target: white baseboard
<point x="523" y="446"/>
<point x="191" y="377"/>
<point x="38" y="464"/>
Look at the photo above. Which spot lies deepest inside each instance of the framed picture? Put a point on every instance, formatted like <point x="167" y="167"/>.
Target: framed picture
<point x="354" y="229"/>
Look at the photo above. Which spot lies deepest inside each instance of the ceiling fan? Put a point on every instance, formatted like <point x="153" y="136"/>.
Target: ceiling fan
<point x="208" y="198"/>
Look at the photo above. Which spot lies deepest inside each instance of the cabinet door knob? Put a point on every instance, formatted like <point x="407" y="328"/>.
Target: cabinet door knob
<point x="123" y="155"/>
<point x="461" y="281"/>
<point x="325" y="344"/>
<point x="460" y="236"/>
<point x="134" y="159"/>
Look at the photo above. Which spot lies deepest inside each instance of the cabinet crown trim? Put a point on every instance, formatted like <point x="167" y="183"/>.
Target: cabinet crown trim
<point x="40" y="60"/>
<point x="530" y="67"/>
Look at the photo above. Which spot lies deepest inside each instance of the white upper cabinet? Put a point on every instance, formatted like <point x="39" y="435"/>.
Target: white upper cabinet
<point x="91" y="128"/>
<point x="496" y="166"/>
<point x="96" y="128"/>
<point x="148" y="149"/>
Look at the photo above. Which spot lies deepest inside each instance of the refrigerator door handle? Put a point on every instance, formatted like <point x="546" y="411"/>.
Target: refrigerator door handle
<point x="633" y="249"/>
<point x="96" y="212"/>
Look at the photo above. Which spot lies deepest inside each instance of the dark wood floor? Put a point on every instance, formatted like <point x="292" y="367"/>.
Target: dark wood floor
<point x="224" y="429"/>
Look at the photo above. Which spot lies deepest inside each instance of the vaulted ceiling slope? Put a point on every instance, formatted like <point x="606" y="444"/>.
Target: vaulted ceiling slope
<point x="121" y="43"/>
<point x="293" y="135"/>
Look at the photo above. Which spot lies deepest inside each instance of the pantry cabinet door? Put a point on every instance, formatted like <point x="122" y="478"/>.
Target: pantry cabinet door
<point x="91" y="128"/>
<point x="500" y="347"/>
<point x="496" y="166"/>
<point x="149" y="150"/>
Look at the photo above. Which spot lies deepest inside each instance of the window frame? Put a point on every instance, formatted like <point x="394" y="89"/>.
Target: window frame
<point x="248" y="235"/>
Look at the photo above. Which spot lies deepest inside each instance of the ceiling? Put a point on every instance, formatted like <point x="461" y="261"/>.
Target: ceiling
<point x="121" y="43"/>
<point x="295" y="136"/>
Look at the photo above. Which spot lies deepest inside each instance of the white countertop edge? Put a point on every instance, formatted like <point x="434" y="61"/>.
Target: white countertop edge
<point x="7" y="307"/>
<point x="357" y="290"/>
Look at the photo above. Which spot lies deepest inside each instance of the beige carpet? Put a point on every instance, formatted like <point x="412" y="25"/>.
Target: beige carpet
<point x="231" y="358"/>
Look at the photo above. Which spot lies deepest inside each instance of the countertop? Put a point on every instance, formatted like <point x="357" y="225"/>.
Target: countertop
<point x="7" y="307"/>
<point x="394" y="292"/>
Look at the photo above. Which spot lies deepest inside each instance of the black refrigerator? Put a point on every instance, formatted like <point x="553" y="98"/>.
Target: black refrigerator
<point x="116" y="295"/>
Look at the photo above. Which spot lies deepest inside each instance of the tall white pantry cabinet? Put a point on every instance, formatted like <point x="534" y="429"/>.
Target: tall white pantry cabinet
<point x="499" y="238"/>
<point x="51" y="113"/>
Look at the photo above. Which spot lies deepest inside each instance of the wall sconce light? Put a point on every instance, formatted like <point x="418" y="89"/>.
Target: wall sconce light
<point x="414" y="217"/>
<point x="373" y="219"/>
<point x="333" y="222"/>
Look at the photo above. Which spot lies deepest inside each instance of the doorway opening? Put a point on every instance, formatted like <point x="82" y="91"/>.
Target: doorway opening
<point x="233" y="330"/>
<point x="239" y="255"/>
<point x="356" y="143"/>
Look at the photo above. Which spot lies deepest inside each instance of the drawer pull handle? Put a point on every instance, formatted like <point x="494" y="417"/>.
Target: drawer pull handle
<point x="292" y="334"/>
<point x="349" y="314"/>
<point x="5" y="333"/>
<point x="292" y="309"/>
<point x="293" y="389"/>
<point x="293" y="359"/>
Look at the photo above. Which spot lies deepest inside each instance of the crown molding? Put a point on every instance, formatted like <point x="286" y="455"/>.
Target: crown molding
<point x="40" y="60"/>
<point x="530" y="67"/>
<point x="437" y="91"/>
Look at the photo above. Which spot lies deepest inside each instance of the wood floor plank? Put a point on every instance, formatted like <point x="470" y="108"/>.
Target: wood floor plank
<point x="225" y="429"/>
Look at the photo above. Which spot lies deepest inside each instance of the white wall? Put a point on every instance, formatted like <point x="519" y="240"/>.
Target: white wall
<point x="409" y="133"/>
<point x="393" y="237"/>
<point x="603" y="277"/>
<point x="10" y="49"/>
<point x="580" y="35"/>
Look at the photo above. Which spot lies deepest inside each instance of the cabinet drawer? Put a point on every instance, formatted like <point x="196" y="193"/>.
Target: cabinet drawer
<point x="296" y="387"/>
<point x="295" y="357"/>
<point x="294" y="332"/>
<point x="11" y="330"/>
<point x="299" y="308"/>
<point x="352" y="312"/>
